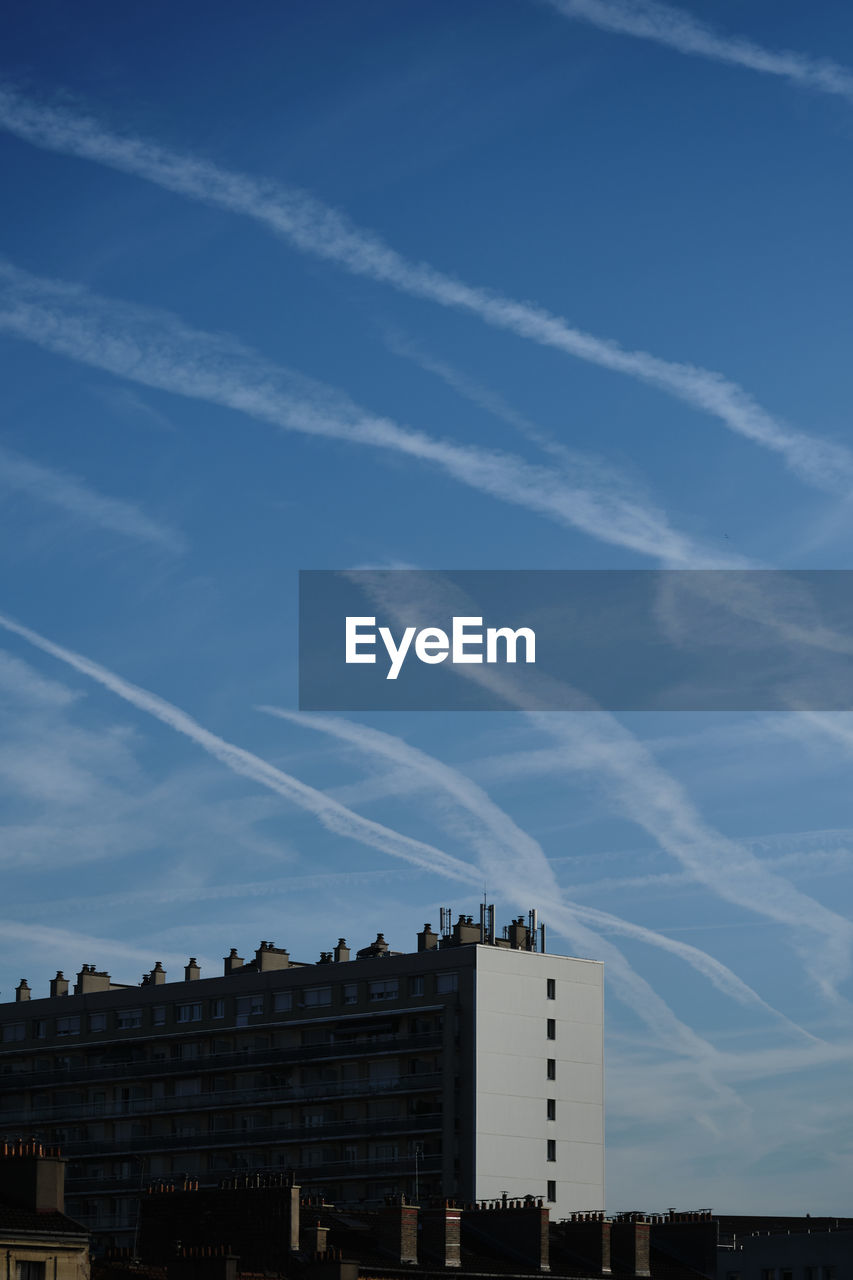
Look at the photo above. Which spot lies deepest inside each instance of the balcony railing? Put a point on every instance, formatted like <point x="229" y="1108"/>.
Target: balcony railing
<point x="221" y="1100"/>
<point x="270" y="1135"/>
<point x="279" y="1055"/>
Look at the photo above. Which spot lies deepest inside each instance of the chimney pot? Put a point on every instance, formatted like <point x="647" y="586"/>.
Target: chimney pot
<point x="59" y="985"/>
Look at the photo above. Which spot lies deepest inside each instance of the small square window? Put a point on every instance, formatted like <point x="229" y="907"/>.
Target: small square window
<point x="350" y="993"/>
<point x="128" y="1019"/>
<point x="313" y="996"/>
<point x="188" y="1012"/>
<point x="40" y="1029"/>
<point x="15" y="1031"/>
<point x="27" y="1270"/>
<point x="552" y="1029"/>
<point x="552" y="1189"/>
<point x="249" y="1007"/>
<point x="551" y="1069"/>
<point x="158" y="1015"/>
<point x="416" y="985"/>
<point x="552" y="1149"/>
<point x="97" y="1022"/>
<point x="68" y="1026"/>
<point x="551" y="988"/>
<point x="282" y="1001"/>
<point x="446" y="982"/>
<point x="551" y="1108"/>
<point x="217" y="1008"/>
<point x="383" y="989"/>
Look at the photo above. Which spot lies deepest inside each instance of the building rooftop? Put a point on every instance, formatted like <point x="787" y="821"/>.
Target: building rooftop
<point x="518" y="935"/>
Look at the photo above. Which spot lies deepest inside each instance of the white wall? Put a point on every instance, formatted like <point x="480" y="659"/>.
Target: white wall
<point x="512" y="1129"/>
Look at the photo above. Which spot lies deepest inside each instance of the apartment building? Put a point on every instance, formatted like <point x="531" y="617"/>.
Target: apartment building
<point x="470" y="1067"/>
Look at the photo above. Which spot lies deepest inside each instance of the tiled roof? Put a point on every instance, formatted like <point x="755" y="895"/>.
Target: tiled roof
<point x="13" y="1218"/>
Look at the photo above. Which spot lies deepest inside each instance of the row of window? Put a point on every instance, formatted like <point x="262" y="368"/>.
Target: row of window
<point x="246" y="1007"/>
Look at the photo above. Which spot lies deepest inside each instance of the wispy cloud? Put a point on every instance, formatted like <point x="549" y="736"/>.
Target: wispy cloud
<point x="315" y="228"/>
<point x="642" y="791"/>
<point x="345" y="822"/>
<point x="334" y="816"/>
<point x="155" y="349"/>
<point x="21" y="682"/>
<point x="70" y="494"/>
<point x="129" y="406"/>
<point x="62" y="941"/>
<point x="597" y="745"/>
<point x="665" y="24"/>
<point x="519" y="859"/>
<point x="166" y="894"/>
<point x="598" y="475"/>
<point x="473" y="391"/>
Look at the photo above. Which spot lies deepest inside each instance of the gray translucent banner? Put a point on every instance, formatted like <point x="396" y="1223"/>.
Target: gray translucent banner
<point x="634" y="640"/>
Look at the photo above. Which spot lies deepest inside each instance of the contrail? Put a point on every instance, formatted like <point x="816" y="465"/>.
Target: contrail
<point x="522" y="855"/>
<point x="74" y="496"/>
<point x="597" y="744"/>
<point x="644" y="792"/>
<point x="315" y="228"/>
<point x="667" y="25"/>
<point x="345" y="822"/>
<point x="46" y="936"/>
<point x="334" y="816"/>
<point x="170" y="893"/>
<point x="474" y="392"/>
<point x="153" y="348"/>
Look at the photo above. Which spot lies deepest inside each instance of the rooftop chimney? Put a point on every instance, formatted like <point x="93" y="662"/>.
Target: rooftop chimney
<point x="269" y="956"/>
<point x="59" y="985"/>
<point x="32" y="1176"/>
<point x="233" y="962"/>
<point x="519" y="1228"/>
<point x="519" y="938"/>
<point x="22" y="991"/>
<point x="441" y="1235"/>
<point x="465" y="931"/>
<point x="398" y="1229"/>
<point x="377" y="948"/>
<point x="587" y="1236"/>
<point x="91" y="979"/>
<point x="427" y="940"/>
<point x="629" y="1242"/>
<point x="341" y="952"/>
<point x="192" y="971"/>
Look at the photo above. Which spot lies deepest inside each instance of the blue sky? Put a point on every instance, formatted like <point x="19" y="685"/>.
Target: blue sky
<point x="518" y="285"/>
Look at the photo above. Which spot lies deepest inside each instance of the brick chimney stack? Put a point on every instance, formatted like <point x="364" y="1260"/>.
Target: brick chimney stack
<point x="32" y="1176"/>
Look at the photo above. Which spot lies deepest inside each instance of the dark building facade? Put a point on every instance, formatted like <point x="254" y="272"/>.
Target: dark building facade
<point x="469" y="1067"/>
